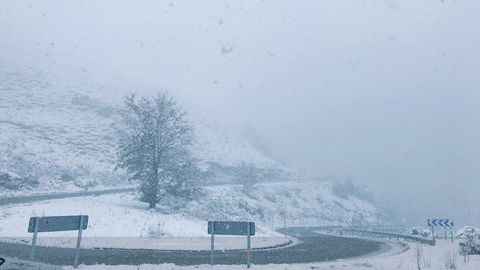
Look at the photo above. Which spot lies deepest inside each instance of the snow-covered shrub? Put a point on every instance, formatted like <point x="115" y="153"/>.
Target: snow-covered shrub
<point x="85" y="184"/>
<point x="348" y="188"/>
<point x="247" y="176"/>
<point x="420" y="232"/>
<point x="13" y="181"/>
<point x="73" y="172"/>
<point x="157" y="231"/>
<point x="270" y="197"/>
<point x="358" y="219"/>
<point x="471" y="244"/>
<point x="468" y="231"/>
<point x="107" y="177"/>
<point x="20" y="172"/>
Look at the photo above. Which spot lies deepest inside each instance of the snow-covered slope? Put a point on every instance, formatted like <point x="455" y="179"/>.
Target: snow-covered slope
<point x="299" y="202"/>
<point x="61" y="134"/>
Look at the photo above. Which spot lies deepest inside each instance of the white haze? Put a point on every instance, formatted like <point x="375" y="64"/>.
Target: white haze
<point x="384" y="92"/>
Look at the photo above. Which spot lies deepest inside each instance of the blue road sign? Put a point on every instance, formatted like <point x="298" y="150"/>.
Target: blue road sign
<point x="231" y="228"/>
<point x="440" y="222"/>
<point x="57" y="224"/>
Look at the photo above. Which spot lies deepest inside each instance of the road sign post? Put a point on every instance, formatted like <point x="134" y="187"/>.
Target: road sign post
<point x="231" y="228"/>
<point x="79" y="239"/>
<point x="248" y="245"/>
<point x="440" y="223"/>
<point x="57" y="224"/>
<point x="212" y="246"/>
<point x="34" y="239"/>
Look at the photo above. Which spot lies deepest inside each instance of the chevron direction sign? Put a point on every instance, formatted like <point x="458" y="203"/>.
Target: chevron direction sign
<point x="440" y="222"/>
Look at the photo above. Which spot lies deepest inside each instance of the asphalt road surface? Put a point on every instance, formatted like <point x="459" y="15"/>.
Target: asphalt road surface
<point x="50" y="196"/>
<point x="314" y="247"/>
<point x="44" y="197"/>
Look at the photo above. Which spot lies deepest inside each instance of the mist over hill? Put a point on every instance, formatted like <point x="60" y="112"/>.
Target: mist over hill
<point x="57" y="135"/>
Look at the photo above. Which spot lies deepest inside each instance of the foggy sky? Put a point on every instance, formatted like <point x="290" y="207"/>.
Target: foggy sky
<point x="384" y="92"/>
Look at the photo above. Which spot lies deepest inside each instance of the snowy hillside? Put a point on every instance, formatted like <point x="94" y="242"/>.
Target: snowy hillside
<point x="60" y="136"/>
<point x="57" y="134"/>
<point x="298" y="202"/>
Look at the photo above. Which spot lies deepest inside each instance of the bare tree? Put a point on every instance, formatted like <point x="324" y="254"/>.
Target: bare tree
<point x="247" y="176"/>
<point x="155" y="148"/>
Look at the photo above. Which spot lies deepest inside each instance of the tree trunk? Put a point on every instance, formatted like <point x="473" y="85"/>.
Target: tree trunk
<point x="152" y="204"/>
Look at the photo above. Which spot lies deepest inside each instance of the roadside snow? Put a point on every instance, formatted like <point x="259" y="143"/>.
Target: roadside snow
<point x="109" y="215"/>
<point x="16" y="264"/>
<point x="120" y="221"/>
<point x="270" y="204"/>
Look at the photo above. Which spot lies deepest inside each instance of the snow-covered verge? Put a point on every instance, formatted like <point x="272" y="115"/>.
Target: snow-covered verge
<point x="399" y="257"/>
<point x="16" y="264"/>
<point x="123" y="215"/>
<point x="121" y="221"/>
<point x="297" y="203"/>
<point x="60" y="134"/>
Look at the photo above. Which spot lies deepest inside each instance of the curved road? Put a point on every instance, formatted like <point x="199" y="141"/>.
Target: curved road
<point x="314" y="247"/>
<point x="44" y="197"/>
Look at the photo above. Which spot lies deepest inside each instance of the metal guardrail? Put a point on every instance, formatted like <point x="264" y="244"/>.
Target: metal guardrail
<point x="391" y="235"/>
<point x="373" y="232"/>
<point x="382" y="228"/>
